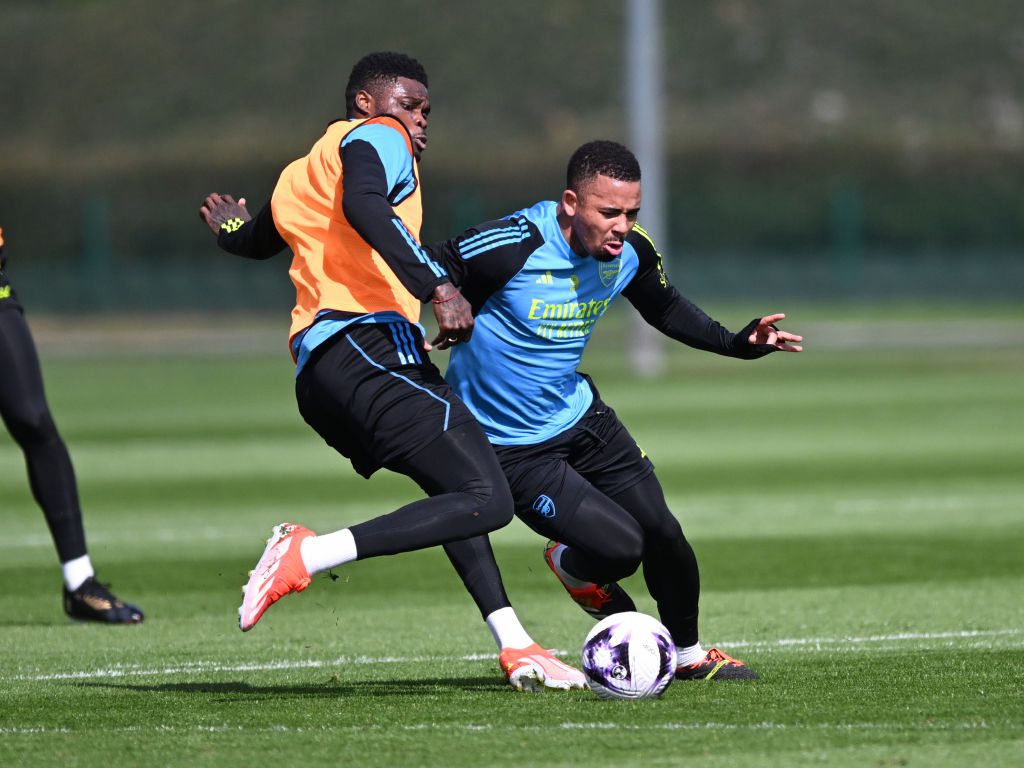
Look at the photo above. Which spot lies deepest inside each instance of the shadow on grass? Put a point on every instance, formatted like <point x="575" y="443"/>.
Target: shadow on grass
<point x="37" y="624"/>
<point x="394" y="687"/>
<point x="59" y="620"/>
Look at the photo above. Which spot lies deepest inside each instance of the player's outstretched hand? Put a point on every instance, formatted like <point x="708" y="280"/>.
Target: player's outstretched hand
<point x="217" y="210"/>
<point x="767" y="333"/>
<point x="454" y="317"/>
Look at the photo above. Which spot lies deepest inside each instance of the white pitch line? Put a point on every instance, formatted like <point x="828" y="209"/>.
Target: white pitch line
<point x="132" y="670"/>
<point x="897" y="637"/>
<point x="206" y="667"/>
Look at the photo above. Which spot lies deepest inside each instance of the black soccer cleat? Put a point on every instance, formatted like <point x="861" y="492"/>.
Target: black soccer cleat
<point x="92" y="601"/>
<point x="716" y="666"/>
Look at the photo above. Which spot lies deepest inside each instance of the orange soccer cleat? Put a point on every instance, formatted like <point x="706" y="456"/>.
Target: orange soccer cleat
<point x="279" y="572"/>
<point x="599" y="601"/>
<point x="529" y="668"/>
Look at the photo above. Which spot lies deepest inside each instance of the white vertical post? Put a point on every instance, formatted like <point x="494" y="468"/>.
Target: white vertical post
<point x="645" y="117"/>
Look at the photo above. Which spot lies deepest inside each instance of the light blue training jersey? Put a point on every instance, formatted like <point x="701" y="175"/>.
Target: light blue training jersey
<point x="518" y="372"/>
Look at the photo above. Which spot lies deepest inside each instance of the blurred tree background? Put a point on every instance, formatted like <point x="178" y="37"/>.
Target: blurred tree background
<point x="818" y="148"/>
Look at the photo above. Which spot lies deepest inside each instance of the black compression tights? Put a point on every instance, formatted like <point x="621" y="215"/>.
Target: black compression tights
<point x="604" y="546"/>
<point x="468" y="498"/>
<point x="27" y="416"/>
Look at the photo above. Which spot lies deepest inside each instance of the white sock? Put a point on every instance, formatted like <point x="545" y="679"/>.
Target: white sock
<point x="569" y="579"/>
<point x="690" y="655"/>
<point x="507" y="631"/>
<point x="321" y="553"/>
<point x="76" y="572"/>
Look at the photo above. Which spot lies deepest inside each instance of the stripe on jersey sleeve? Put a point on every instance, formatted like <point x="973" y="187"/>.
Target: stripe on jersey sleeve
<point x="494" y="238"/>
<point x="418" y="249"/>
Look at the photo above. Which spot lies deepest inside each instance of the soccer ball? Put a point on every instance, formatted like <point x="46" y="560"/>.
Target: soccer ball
<point x="629" y="656"/>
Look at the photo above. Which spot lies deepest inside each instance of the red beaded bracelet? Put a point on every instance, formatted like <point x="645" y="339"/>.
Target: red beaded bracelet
<point x="443" y="301"/>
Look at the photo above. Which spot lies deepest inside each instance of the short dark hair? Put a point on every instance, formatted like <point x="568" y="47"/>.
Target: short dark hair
<point x="601" y="158"/>
<point x="375" y="69"/>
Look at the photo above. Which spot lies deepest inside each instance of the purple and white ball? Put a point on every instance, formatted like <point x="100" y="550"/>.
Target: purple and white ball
<point x="629" y="656"/>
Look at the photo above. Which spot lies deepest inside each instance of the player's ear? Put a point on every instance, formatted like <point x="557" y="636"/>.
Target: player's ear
<point x="569" y="202"/>
<point x="365" y="103"/>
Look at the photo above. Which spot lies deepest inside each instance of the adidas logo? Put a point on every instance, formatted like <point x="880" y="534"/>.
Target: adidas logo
<point x="545" y="279"/>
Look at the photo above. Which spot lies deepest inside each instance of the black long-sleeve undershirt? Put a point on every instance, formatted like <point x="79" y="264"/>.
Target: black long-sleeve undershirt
<point x="367" y="204"/>
<point x="665" y="308"/>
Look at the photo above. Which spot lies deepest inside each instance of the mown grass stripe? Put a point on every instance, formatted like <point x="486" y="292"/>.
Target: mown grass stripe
<point x="710" y="725"/>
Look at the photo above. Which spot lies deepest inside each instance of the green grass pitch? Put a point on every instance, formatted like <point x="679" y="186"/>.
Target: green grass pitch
<point x="858" y="512"/>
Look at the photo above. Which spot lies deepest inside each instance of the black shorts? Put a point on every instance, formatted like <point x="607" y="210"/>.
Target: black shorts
<point x="373" y="395"/>
<point x="548" y="479"/>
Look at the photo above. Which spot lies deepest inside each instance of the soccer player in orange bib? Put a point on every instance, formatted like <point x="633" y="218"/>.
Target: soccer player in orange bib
<point x="350" y="212"/>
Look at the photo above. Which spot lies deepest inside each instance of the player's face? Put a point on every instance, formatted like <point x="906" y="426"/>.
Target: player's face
<point x="601" y="213"/>
<point x="409" y="101"/>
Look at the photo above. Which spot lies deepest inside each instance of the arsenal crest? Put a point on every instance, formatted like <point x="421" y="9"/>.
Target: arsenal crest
<point x="608" y="271"/>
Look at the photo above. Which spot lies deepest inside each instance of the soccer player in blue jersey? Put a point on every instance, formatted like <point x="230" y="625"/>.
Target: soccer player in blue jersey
<point x="538" y="281"/>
